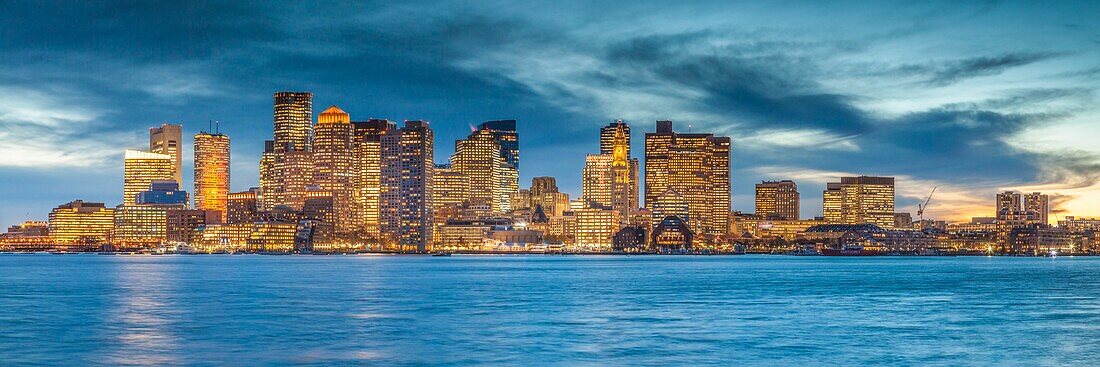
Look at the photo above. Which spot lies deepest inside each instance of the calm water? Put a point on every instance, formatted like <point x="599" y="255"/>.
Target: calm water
<point x="546" y="310"/>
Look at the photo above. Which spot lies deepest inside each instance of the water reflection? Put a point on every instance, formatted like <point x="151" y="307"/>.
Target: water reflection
<point x="143" y="319"/>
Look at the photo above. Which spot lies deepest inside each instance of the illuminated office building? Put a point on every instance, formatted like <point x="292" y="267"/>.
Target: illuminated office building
<point x="293" y="121"/>
<point x="832" y="199"/>
<point x="479" y="158"/>
<point x="596" y="228"/>
<point x="407" y="182"/>
<point x="696" y="166"/>
<point x="451" y="187"/>
<point x="611" y="179"/>
<point x="863" y="199"/>
<point x="167" y="139"/>
<point x="504" y="132"/>
<point x="608" y="135"/>
<point x="141" y="169"/>
<point x="141" y="226"/>
<point x="242" y="207"/>
<point x="212" y="172"/>
<point x="333" y="154"/>
<point x="271" y="187"/>
<point x="367" y="169"/>
<point x="80" y="222"/>
<point x="777" y="199"/>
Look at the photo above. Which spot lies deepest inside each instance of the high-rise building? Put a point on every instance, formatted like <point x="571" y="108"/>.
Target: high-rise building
<point x="696" y="166"/>
<point x="407" y="182"/>
<point x="80" y="222"/>
<point x="271" y="186"/>
<point x="1039" y="204"/>
<point x="607" y="137"/>
<point x="451" y="187"/>
<point x="293" y="120"/>
<point x="168" y="139"/>
<point x="367" y="167"/>
<point x="777" y="199"/>
<point x="141" y="169"/>
<point x="863" y="199"/>
<point x="507" y="138"/>
<point x="242" y="207"/>
<point x="611" y="179"/>
<point x="333" y="159"/>
<point x="294" y="169"/>
<point x="212" y="172"/>
<point x="832" y="198"/>
<point x="479" y="158"/>
<point x="1008" y="202"/>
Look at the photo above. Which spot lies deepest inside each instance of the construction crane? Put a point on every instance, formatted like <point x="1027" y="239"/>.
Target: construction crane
<point x="923" y="206"/>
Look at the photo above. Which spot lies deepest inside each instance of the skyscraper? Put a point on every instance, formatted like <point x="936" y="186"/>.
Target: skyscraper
<point x="506" y="136"/>
<point x="832" y="198"/>
<point x="212" y="172"/>
<point x="271" y="186"/>
<point x="479" y="158"/>
<point x="333" y="154"/>
<point x="167" y="139"/>
<point x="865" y="199"/>
<point x="607" y="136"/>
<point x="367" y="167"/>
<point x="1038" y="203"/>
<point x="611" y="179"/>
<point x="696" y="166"/>
<point x="407" y="183"/>
<point x="293" y="120"/>
<point x="777" y="199"/>
<point x="140" y="169"/>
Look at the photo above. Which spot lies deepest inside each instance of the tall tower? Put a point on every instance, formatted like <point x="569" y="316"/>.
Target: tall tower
<point x="141" y="169"/>
<point x="495" y="180"/>
<point x="293" y="120"/>
<point x="695" y="166"/>
<point x="167" y="139"/>
<point x="212" y="172"/>
<point x="607" y="136"/>
<point x="504" y="131"/>
<point x="1039" y="204"/>
<point x="367" y="167"/>
<point x="407" y="182"/>
<point x="333" y="153"/>
<point x="777" y="199"/>
<point x="624" y="173"/>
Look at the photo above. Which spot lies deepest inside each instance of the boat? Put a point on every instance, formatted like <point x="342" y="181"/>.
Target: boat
<point x="441" y="254"/>
<point x="850" y="250"/>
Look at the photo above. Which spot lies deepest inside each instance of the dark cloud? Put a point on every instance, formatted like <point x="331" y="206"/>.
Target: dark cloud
<point x="954" y="71"/>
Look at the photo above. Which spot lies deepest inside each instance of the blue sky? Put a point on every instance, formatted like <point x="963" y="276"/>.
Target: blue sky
<point x="974" y="97"/>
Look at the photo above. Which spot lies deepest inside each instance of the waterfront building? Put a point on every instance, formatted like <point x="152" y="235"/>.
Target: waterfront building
<point x="367" y="182"/>
<point x="596" y="227"/>
<point x="140" y="169"/>
<point x="141" y="226"/>
<point x="27" y="236"/>
<point x="333" y="155"/>
<point x="407" y="186"/>
<point x="168" y="140"/>
<point x="181" y="226"/>
<point x="212" y="172"/>
<point x="273" y="237"/>
<point x="479" y="158"/>
<point x="81" y="223"/>
<point x="862" y="199"/>
<point x="562" y="228"/>
<point x="242" y="207"/>
<point x="1079" y="225"/>
<point x="777" y="199"/>
<point x="228" y="237"/>
<point x="1016" y="210"/>
<point x="672" y="235"/>
<point x="696" y="166"/>
<point x="1040" y="239"/>
<point x="629" y="239"/>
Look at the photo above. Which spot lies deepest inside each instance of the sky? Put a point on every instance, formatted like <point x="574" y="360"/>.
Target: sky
<point x="971" y="97"/>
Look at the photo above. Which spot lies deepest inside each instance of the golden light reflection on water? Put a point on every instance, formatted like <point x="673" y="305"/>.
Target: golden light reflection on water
<point x="143" y="328"/>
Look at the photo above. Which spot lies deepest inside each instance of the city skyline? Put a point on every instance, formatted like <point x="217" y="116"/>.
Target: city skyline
<point x="899" y="100"/>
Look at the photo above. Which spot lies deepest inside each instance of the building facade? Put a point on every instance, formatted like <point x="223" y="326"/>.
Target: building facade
<point x="407" y="182"/>
<point x="140" y="169"/>
<point x="168" y="140"/>
<point x="696" y="166"/>
<point x="212" y="172"/>
<point x="777" y="199"/>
